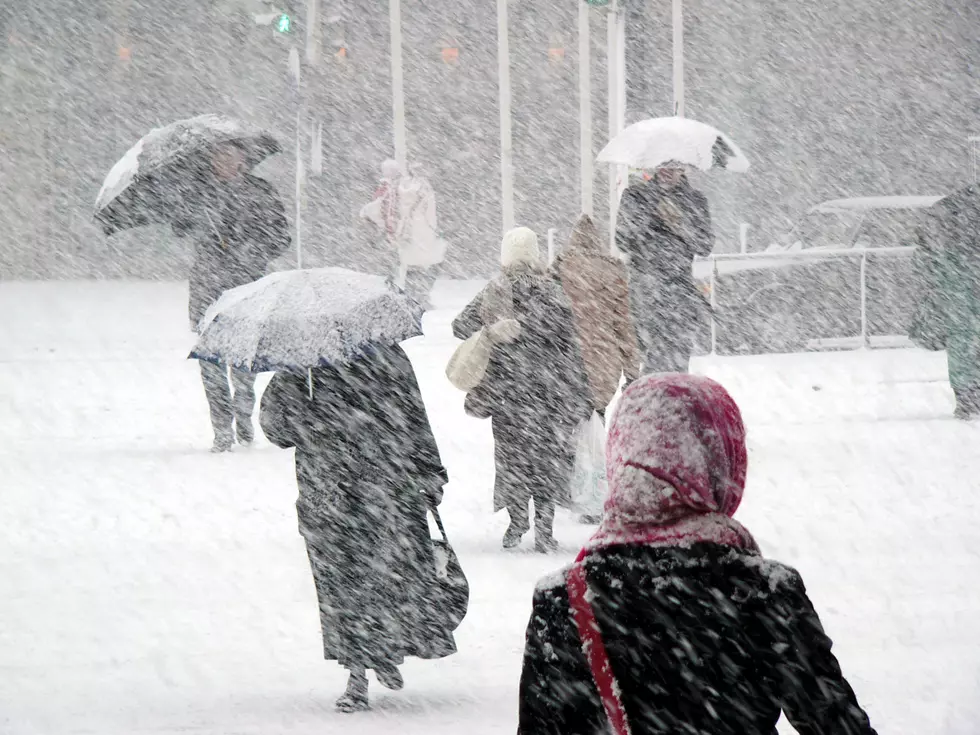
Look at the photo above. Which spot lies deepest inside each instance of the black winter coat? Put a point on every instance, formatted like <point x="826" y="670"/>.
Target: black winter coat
<point x="239" y="228"/>
<point x="365" y="457"/>
<point x="659" y="245"/>
<point x="706" y="640"/>
<point x="536" y="390"/>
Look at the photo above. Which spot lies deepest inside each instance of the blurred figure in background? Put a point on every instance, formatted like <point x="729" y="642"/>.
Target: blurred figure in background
<point x="404" y="207"/>
<point x="535" y="389"/>
<point x="239" y="226"/>
<point x="663" y="224"/>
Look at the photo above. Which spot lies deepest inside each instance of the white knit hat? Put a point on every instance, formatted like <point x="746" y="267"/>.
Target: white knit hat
<point x="520" y="245"/>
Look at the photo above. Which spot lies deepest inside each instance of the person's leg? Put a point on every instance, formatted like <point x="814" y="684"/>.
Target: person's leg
<point x="218" y="392"/>
<point x="244" y="404"/>
<point x="520" y="523"/>
<point x="355" y="699"/>
<point x="544" y="521"/>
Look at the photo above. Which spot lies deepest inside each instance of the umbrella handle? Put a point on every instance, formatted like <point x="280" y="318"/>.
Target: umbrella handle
<point x="309" y="381"/>
<point x="442" y="529"/>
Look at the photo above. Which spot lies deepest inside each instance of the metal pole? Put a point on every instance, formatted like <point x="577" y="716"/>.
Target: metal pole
<point x="613" y="104"/>
<point x="713" y="284"/>
<point x="551" y="245"/>
<point x="585" y="107"/>
<point x="506" y="137"/>
<point x="864" y="300"/>
<point x="299" y="190"/>
<point x="398" y="83"/>
<point x="678" y="14"/>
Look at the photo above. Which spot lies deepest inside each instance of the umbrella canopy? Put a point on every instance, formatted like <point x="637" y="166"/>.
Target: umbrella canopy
<point x="296" y="320"/>
<point x="148" y="182"/>
<point x="652" y="143"/>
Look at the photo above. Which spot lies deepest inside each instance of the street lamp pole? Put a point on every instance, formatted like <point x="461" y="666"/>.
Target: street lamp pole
<point x="678" y="22"/>
<point x="398" y="83"/>
<point x="585" y="107"/>
<point x="616" y="67"/>
<point x="506" y="137"/>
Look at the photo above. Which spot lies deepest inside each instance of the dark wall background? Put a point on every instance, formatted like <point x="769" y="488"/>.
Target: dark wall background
<point x="828" y="98"/>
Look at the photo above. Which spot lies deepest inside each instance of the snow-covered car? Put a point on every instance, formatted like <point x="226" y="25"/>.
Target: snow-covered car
<point x="805" y="291"/>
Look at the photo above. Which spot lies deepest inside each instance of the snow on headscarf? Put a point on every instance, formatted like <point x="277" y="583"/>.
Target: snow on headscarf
<point x="677" y="465"/>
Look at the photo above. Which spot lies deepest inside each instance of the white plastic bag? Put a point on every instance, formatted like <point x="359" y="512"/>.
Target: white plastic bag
<point x="589" y="485"/>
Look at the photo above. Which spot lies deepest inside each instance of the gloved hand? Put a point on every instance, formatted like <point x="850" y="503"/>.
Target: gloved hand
<point x="433" y="494"/>
<point x="504" y="331"/>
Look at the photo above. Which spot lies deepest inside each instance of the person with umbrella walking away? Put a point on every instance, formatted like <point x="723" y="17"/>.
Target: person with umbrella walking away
<point x="239" y="226"/>
<point x="671" y="620"/>
<point x="662" y="225"/>
<point x="367" y="466"/>
<point x="535" y="390"/>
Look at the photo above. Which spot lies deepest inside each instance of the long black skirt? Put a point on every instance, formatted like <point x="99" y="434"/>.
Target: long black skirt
<point x="374" y="572"/>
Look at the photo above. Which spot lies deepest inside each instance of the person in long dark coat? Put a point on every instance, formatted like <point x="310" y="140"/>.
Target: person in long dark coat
<point x="367" y="465"/>
<point x="239" y="226"/>
<point x="662" y="225"/>
<point x="535" y="390"/>
<point x="671" y="621"/>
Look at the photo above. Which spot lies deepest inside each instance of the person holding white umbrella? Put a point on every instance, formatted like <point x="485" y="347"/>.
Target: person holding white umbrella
<point x="663" y="224"/>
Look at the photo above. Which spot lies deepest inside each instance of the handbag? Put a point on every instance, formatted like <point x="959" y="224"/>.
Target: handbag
<point x="468" y="365"/>
<point x="452" y="594"/>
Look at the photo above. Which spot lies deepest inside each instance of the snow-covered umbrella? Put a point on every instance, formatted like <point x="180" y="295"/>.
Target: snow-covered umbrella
<point x="149" y="181"/>
<point x="652" y="143"/>
<point x="297" y="320"/>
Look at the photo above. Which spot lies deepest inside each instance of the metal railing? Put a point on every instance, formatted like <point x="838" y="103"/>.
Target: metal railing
<point x="783" y="258"/>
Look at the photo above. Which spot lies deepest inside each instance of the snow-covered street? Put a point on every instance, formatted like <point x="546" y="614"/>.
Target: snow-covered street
<point x="147" y="586"/>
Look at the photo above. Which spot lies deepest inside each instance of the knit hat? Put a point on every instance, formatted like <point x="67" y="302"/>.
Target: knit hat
<point x="520" y="246"/>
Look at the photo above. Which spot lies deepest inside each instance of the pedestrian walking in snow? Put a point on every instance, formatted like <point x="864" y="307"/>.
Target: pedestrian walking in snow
<point x="596" y="284"/>
<point x="535" y="389"/>
<point x="948" y="279"/>
<point x="404" y="205"/>
<point x="367" y="467"/>
<point x="597" y="287"/>
<point x="662" y="225"/>
<point x="239" y="226"/>
<point x="670" y="620"/>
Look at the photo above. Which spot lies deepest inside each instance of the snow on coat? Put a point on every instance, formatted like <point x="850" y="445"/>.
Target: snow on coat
<point x="702" y="634"/>
<point x="597" y="286"/>
<point x="417" y="231"/>
<point x="705" y="639"/>
<point x="365" y="456"/>
<point x="535" y="387"/>
<point x="239" y="228"/>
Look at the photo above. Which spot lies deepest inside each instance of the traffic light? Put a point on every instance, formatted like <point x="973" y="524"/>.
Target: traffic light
<point x="284" y="23"/>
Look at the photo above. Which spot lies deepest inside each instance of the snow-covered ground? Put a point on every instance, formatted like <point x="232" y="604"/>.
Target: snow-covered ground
<point x="147" y="586"/>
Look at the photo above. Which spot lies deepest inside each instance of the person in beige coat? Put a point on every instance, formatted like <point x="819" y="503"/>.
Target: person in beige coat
<point x="597" y="286"/>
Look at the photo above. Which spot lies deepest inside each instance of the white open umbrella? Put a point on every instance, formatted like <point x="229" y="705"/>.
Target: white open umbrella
<point x="296" y="320"/>
<point x="652" y="143"/>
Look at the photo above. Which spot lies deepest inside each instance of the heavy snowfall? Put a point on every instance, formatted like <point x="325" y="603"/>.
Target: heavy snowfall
<point x="569" y="367"/>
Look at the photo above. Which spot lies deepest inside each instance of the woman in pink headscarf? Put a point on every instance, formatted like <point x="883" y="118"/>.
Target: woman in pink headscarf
<point x="671" y="621"/>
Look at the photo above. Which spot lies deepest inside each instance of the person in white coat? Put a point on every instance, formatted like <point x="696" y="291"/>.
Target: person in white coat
<point x="405" y="207"/>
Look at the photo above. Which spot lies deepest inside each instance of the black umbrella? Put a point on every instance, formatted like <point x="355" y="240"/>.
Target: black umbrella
<point x="146" y="184"/>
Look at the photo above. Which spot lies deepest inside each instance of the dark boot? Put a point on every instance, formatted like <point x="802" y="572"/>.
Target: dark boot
<point x="223" y="442"/>
<point x="544" y="521"/>
<point x="389" y="676"/>
<point x="355" y="699"/>
<point x="519" y="525"/>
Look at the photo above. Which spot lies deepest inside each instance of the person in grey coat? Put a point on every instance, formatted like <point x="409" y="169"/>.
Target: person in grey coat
<point x="238" y="223"/>
<point x="367" y="467"/>
<point x="662" y="225"/>
<point x="536" y="390"/>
